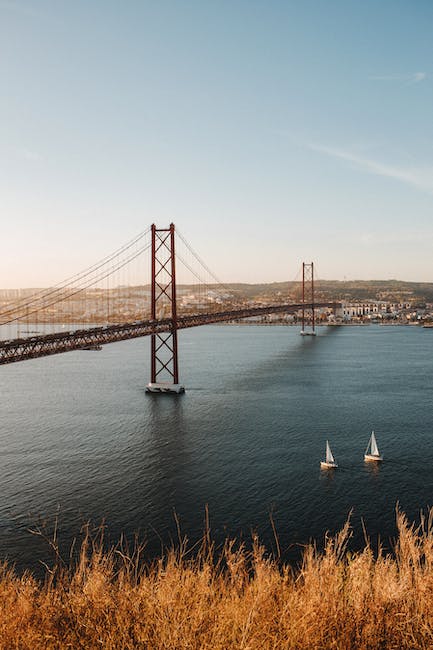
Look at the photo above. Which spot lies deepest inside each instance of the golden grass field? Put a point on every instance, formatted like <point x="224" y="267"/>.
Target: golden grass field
<point x="231" y="599"/>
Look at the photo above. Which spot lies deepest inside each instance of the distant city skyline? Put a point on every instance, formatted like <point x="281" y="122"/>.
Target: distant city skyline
<point x="268" y="132"/>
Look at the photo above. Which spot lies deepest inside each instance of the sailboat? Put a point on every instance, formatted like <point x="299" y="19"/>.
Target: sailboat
<point x="329" y="462"/>
<point x="374" y="449"/>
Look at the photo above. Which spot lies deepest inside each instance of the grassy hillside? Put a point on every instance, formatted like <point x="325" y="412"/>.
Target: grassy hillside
<point x="233" y="599"/>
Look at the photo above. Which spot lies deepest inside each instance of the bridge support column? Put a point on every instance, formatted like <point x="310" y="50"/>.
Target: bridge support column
<point x="164" y="374"/>
<point x="308" y="313"/>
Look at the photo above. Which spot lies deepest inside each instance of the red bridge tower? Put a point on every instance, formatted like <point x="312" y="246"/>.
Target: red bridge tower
<point x="164" y="374"/>
<point x="308" y="300"/>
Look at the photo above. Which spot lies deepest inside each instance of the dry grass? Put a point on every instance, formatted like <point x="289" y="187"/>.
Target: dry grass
<point x="235" y="599"/>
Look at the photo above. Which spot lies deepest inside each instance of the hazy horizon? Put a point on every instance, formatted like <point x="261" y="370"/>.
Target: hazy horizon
<point x="232" y="283"/>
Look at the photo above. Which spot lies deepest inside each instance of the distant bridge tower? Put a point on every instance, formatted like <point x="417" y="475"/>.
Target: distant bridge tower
<point x="164" y="374"/>
<point x="308" y="312"/>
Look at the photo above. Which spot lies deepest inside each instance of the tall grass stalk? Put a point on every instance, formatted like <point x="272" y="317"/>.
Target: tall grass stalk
<point x="233" y="598"/>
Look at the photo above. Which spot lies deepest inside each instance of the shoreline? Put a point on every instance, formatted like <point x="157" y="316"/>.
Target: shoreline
<point x="243" y="323"/>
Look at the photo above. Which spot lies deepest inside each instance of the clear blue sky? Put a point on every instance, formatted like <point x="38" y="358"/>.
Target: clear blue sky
<point x="270" y="132"/>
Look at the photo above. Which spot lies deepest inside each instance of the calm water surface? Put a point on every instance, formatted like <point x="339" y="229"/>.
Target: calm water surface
<point x="79" y="436"/>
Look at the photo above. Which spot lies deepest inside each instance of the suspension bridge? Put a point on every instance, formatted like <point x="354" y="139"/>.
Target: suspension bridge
<point x="123" y="296"/>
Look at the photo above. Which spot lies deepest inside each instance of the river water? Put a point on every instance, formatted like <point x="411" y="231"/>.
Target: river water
<point x="80" y="439"/>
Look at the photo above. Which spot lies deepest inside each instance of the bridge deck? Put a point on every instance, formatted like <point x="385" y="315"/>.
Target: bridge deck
<point x="44" y="345"/>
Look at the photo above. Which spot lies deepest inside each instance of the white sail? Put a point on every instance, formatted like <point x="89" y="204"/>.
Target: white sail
<point x="374" y="448"/>
<point x="329" y="456"/>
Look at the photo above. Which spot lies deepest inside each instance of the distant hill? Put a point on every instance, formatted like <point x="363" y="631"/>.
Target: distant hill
<point x="347" y="290"/>
<point x="328" y="290"/>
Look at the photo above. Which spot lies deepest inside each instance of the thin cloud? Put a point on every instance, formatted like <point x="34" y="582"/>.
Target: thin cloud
<point x="419" y="76"/>
<point x="418" y="237"/>
<point x="411" y="78"/>
<point x="23" y="153"/>
<point x="420" y="177"/>
<point x="25" y="9"/>
<point x="32" y="156"/>
<point x="15" y="7"/>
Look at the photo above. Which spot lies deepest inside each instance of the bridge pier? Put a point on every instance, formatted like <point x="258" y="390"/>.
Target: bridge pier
<point x="164" y="374"/>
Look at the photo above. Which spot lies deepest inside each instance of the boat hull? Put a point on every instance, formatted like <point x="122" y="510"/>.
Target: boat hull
<point x="325" y="465"/>
<point x="372" y="458"/>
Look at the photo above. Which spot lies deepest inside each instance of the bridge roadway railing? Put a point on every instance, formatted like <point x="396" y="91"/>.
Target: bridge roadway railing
<point x="44" y="345"/>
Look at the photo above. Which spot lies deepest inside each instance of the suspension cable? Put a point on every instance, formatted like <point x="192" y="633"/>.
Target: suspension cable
<point x="78" y="290"/>
<point x="57" y="288"/>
